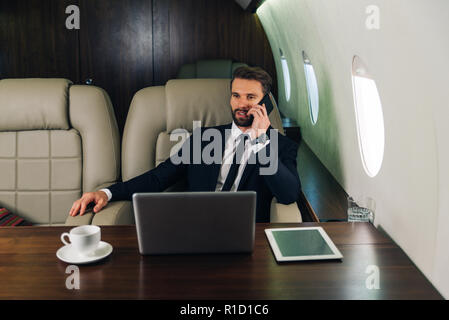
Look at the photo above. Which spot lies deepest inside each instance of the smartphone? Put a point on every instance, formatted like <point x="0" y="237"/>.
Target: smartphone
<point x="268" y="103"/>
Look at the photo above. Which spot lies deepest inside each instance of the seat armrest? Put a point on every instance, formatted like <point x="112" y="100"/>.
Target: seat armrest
<point x="115" y="213"/>
<point x="79" y="220"/>
<point x="284" y="213"/>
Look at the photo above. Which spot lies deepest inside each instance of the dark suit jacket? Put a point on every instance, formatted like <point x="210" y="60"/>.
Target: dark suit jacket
<point x="284" y="184"/>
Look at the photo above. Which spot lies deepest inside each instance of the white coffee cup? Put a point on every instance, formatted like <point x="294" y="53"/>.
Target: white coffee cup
<point x="84" y="239"/>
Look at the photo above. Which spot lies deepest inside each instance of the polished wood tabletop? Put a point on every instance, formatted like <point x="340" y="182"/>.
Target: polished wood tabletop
<point x="29" y="269"/>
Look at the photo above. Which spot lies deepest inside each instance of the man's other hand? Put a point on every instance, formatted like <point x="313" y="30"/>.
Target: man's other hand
<point x="79" y="206"/>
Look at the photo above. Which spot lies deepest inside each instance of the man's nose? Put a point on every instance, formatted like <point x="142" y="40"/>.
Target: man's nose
<point x="244" y="104"/>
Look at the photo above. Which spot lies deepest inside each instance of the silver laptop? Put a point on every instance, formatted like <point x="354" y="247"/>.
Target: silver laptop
<point x="195" y="222"/>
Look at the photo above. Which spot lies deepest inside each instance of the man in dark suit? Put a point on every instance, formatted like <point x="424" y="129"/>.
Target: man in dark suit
<point x="249" y="156"/>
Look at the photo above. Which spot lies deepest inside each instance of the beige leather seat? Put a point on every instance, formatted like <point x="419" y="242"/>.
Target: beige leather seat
<point x="155" y="112"/>
<point x="57" y="141"/>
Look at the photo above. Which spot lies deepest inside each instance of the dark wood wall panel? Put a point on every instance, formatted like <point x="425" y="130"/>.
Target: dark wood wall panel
<point x="210" y="29"/>
<point x="117" y="49"/>
<point x="124" y="46"/>
<point x="34" y="41"/>
<point x="161" y="42"/>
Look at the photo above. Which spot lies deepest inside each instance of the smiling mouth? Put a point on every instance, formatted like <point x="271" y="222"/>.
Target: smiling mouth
<point x="242" y="118"/>
<point x="242" y="113"/>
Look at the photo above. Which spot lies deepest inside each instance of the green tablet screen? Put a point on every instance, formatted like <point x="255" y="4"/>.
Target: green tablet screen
<point x="293" y="243"/>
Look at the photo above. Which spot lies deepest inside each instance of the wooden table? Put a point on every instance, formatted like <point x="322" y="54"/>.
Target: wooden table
<point x="29" y="269"/>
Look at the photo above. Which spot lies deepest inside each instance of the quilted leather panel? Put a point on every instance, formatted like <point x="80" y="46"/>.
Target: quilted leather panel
<point x="41" y="173"/>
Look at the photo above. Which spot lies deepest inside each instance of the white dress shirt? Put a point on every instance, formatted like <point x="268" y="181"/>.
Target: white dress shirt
<point x="230" y="148"/>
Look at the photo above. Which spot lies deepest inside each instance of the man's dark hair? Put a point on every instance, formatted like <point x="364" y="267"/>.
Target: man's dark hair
<point x="254" y="73"/>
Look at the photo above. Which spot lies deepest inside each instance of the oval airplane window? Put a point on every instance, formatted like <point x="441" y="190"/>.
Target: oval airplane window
<point x="286" y="73"/>
<point x="312" y="88"/>
<point x="369" y="117"/>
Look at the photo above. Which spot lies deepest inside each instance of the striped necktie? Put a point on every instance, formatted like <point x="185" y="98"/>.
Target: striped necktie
<point x="238" y="155"/>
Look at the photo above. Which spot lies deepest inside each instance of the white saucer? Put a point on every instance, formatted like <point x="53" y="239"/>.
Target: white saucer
<point x="69" y="255"/>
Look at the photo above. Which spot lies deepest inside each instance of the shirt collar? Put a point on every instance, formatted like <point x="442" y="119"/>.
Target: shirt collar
<point x="236" y="132"/>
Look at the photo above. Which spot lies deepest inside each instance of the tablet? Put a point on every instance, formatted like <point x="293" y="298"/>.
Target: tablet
<point x="297" y="244"/>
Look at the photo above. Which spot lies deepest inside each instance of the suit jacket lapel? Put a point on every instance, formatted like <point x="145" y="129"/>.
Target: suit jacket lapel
<point x="250" y="167"/>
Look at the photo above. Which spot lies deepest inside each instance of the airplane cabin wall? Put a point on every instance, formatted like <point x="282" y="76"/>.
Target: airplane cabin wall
<point x="408" y="58"/>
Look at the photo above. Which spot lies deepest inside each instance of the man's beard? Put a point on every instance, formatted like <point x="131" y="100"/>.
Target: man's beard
<point x="242" y="122"/>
